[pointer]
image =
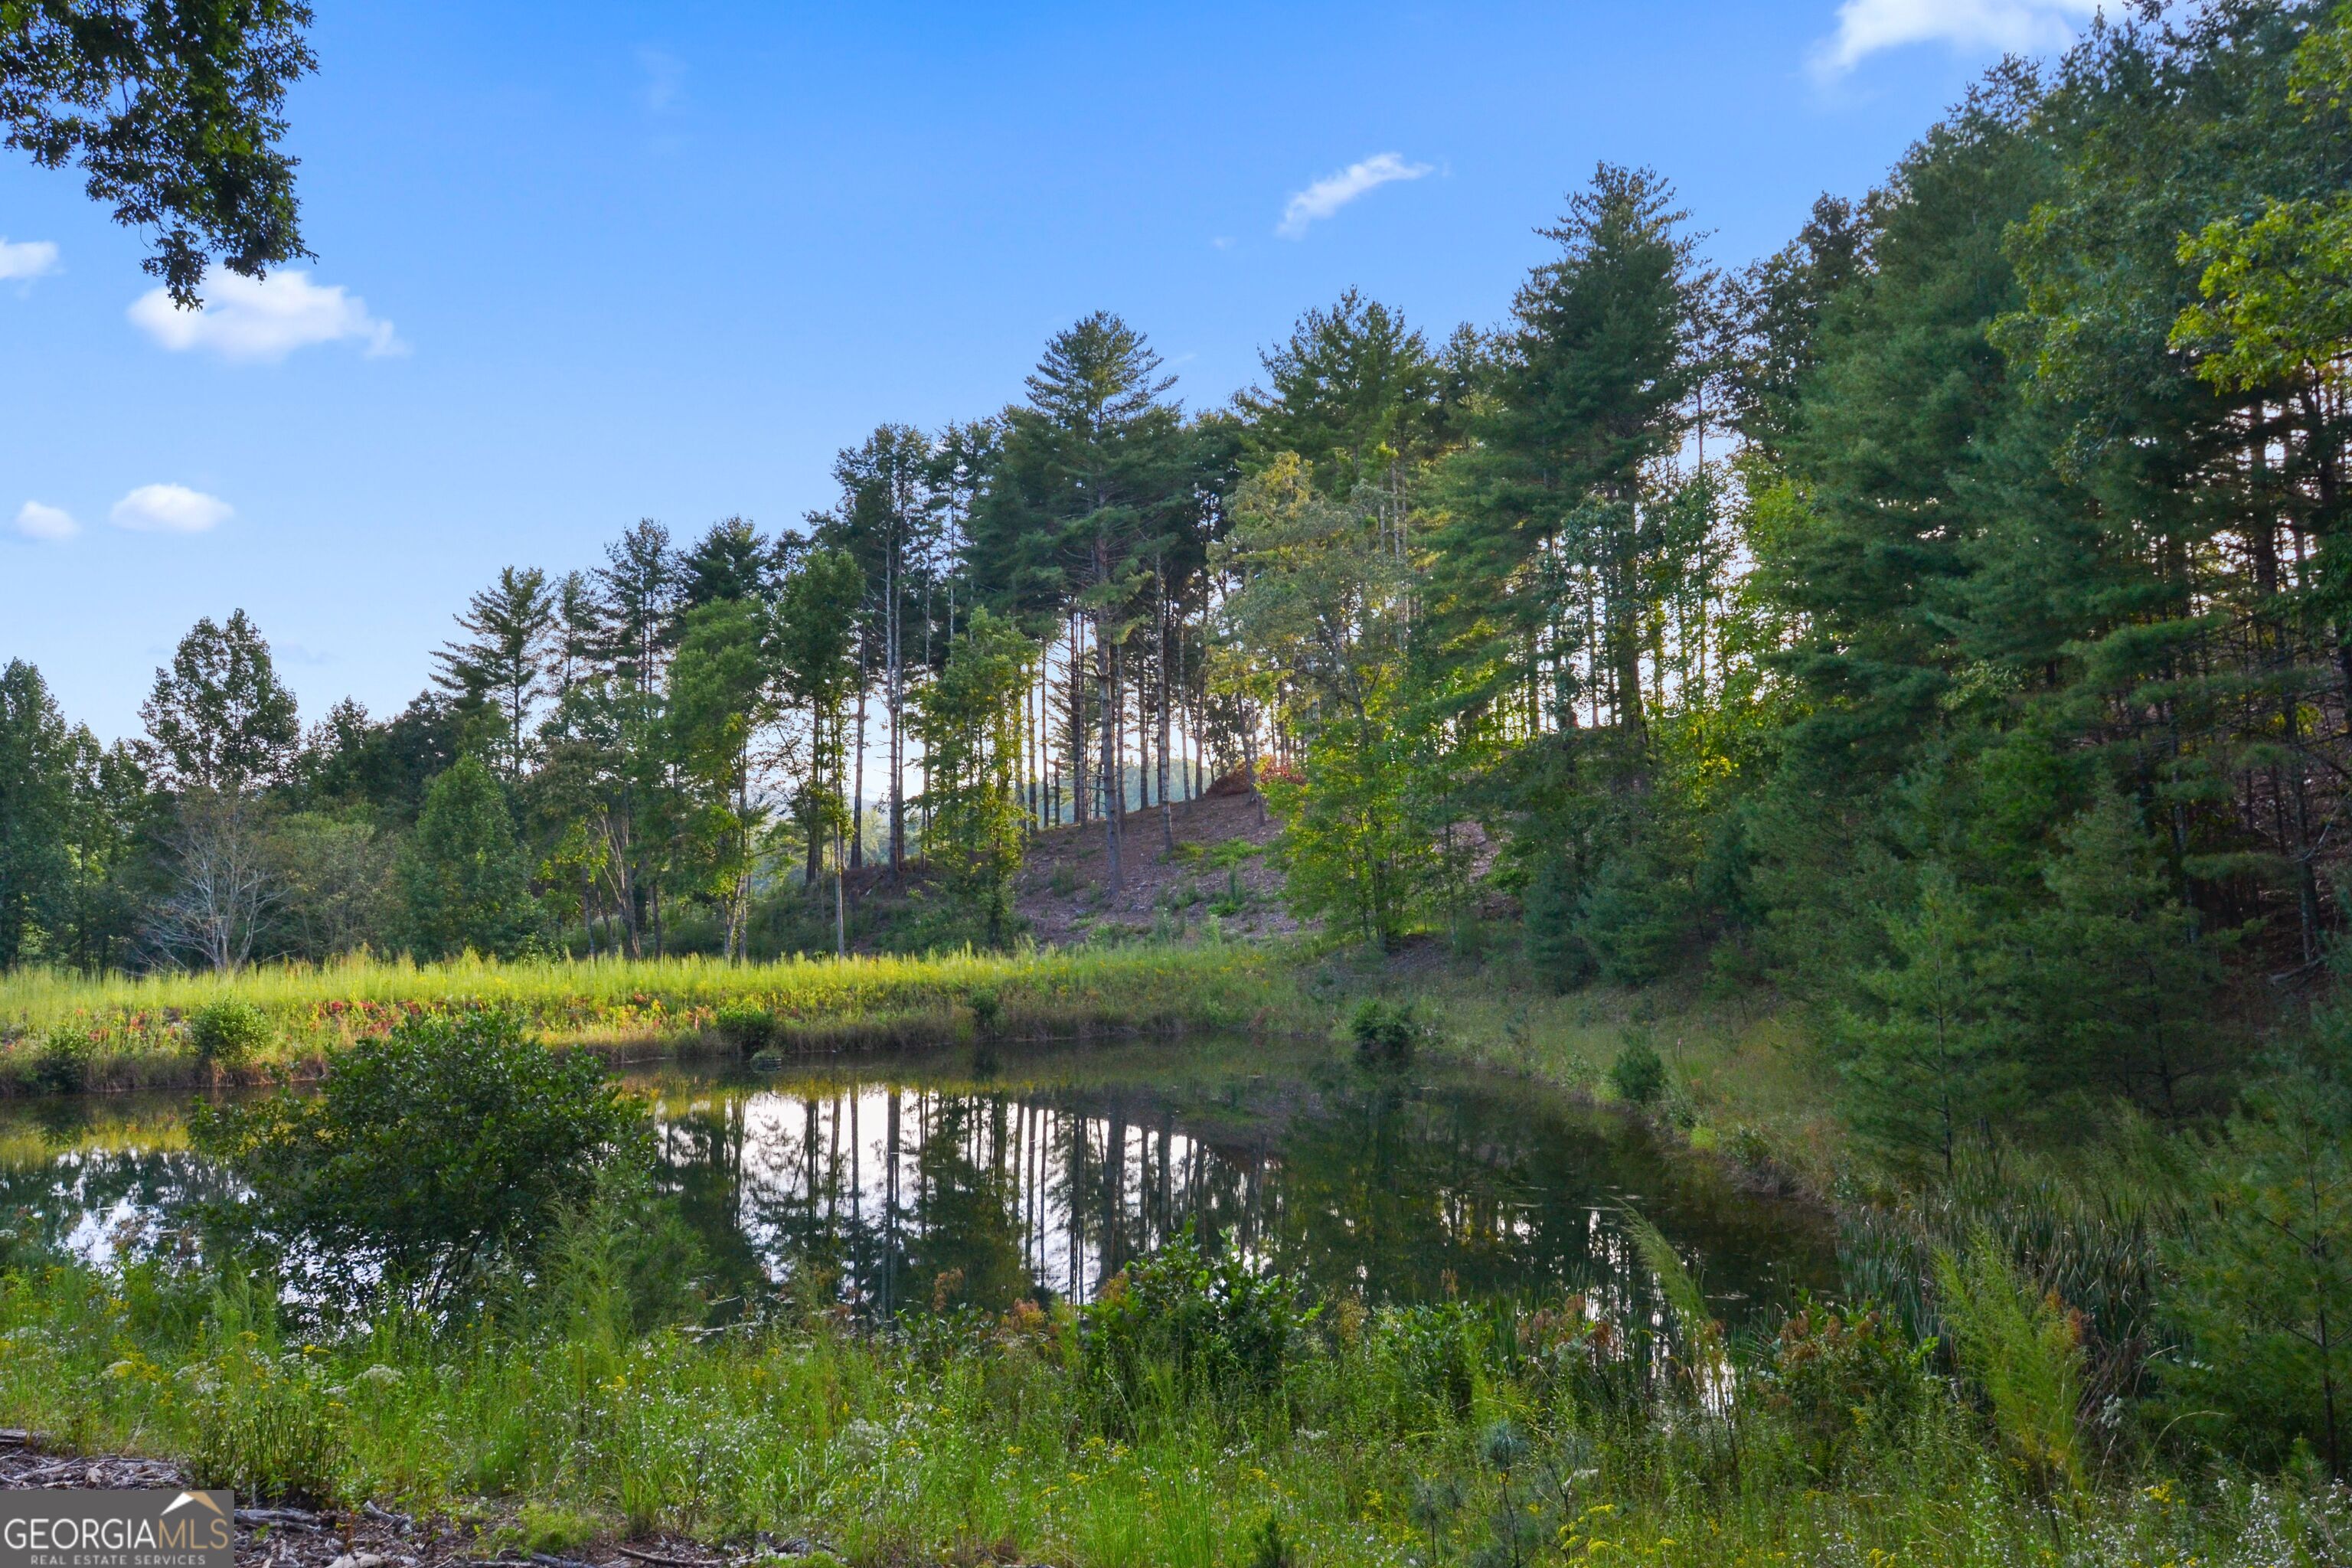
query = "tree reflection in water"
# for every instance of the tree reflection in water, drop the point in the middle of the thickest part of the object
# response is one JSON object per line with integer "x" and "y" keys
{"x": 909, "y": 1186}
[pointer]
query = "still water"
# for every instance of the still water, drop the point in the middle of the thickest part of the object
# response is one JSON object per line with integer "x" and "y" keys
{"x": 901, "y": 1182}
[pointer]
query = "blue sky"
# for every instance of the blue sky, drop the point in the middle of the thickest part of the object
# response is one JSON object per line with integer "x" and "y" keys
{"x": 583, "y": 264}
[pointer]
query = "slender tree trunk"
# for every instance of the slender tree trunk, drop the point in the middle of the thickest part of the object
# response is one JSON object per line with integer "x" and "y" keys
{"x": 1167, "y": 816}
{"x": 897, "y": 695}
{"x": 1106, "y": 676}
{"x": 857, "y": 795}
{"x": 1073, "y": 689}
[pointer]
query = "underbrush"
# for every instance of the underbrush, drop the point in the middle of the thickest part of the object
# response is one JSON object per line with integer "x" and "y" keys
{"x": 61, "y": 1032}
{"x": 1192, "y": 1418}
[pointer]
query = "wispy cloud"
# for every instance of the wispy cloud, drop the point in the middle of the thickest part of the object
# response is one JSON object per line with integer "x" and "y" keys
{"x": 23, "y": 260}
{"x": 1328, "y": 195}
{"x": 665, "y": 79}
{"x": 169, "y": 508}
{"x": 264, "y": 318}
{"x": 1865, "y": 27}
{"x": 49, "y": 523}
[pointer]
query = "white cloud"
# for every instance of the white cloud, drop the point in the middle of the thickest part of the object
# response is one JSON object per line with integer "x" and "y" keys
{"x": 23, "y": 260}
{"x": 169, "y": 508}
{"x": 1328, "y": 195}
{"x": 35, "y": 521}
{"x": 263, "y": 318}
{"x": 1866, "y": 26}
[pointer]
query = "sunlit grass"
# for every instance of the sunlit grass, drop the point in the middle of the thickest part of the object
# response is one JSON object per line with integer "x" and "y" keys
{"x": 134, "y": 1026}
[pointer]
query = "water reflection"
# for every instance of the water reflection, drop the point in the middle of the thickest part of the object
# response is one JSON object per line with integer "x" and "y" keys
{"x": 907, "y": 1185}
{"x": 901, "y": 1185}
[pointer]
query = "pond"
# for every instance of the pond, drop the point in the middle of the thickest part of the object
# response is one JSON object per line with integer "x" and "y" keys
{"x": 905, "y": 1182}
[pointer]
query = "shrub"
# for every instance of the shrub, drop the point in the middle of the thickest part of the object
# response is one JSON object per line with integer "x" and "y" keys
{"x": 426, "y": 1155}
{"x": 987, "y": 1008}
{"x": 65, "y": 1061}
{"x": 228, "y": 1032}
{"x": 1639, "y": 1074}
{"x": 1190, "y": 1324}
{"x": 1848, "y": 1380}
{"x": 747, "y": 1026}
{"x": 1385, "y": 1032}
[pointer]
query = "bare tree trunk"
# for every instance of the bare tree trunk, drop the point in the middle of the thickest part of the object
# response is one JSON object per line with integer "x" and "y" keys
{"x": 1166, "y": 816}
{"x": 1071, "y": 689}
{"x": 1107, "y": 676}
{"x": 896, "y": 698}
{"x": 858, "y": 797}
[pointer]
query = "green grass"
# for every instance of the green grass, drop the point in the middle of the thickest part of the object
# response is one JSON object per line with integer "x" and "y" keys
{"x": 133, "y": 1030}
{"x": 1743, "y": 1077}
{"x": 976, "y": 1437}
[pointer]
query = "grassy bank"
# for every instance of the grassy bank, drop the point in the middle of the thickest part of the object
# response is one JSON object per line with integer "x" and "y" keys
{"x": 1389, "y": 1437}
{"x": 61, "y": 1030}
{"x": 1743, "y": 1077}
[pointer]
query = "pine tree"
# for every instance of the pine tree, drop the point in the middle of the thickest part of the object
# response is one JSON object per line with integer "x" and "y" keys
{"x": 503, "y": 665}
{"x": 723, "y": 694}
{"x": 1093, "y": 482}
{"x": 969, "y": 723}
{"x": 1932, "y": 1052}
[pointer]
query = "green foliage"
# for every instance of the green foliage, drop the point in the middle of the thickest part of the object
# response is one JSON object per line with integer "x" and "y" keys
{"x": 219, "y": 719}
{"x": 1350, "y": 846}
{"x": 464, "y": 877}
{"x": 748, "y": 1028}
{"x": 1184, "y": 1323}
{"x": 2262, "y": 1291}
{"x": 1850, "y": 1383}
{"x": 266, "y": 1435}
{"x": 449, "y": 1145}
{"x": 1932, "y": 1053}
{"x": 175, "y": 116}
{"x": 1386, "y": 1033}
{"x": 1639, "y": 1073}
{"x": 969, "y": 720}
{"x": 63, "y": 1063}
{"x": 2023, "y": 1348}
{"x": 229, "y": 1031}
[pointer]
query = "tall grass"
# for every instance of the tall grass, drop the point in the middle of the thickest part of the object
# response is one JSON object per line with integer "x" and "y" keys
{"x": 1392, "y": 1437}
{"x": 133, "y": 1029}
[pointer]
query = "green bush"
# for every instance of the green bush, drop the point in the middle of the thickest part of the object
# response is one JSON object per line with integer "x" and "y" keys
{"x": 1385, "y": 1033}
{"x": 1849, "y": 1382}
{"x": 747, "y": 1026}
{"x": 64, "y": 1064}
{"x": 987, "y": 1009}
{"x": 228, "y": 1032}
{"x": 426, "y": 1156}
{"x": 1210, "y": 1324}
{"x": 1639, "y": 1074}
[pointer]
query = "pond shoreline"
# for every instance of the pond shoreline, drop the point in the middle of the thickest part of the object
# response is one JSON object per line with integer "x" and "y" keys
{"x": 62, "y": 1034}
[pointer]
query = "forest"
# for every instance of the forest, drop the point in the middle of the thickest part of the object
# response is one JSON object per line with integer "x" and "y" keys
{"x": 1934, "y": 631}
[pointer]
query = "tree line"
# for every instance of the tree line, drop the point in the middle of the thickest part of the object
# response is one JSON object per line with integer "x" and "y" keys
{"x": 1948, "y": 593}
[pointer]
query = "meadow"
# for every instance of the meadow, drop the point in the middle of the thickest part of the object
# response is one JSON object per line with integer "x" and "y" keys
{"x": 61, "y": 1030}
